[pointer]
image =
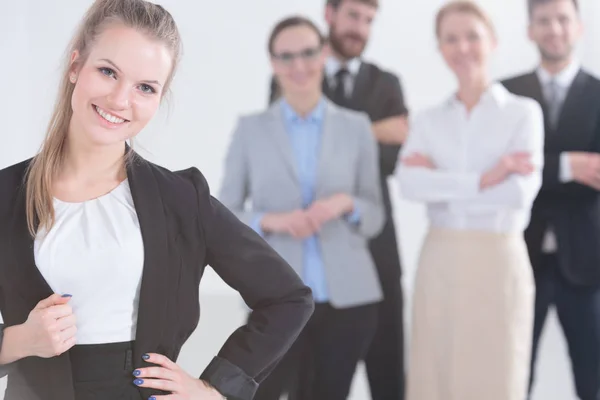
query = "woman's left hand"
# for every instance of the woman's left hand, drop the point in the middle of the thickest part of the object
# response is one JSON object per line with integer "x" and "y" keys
{"x": 418, "y": 160}
{"x": 169, "y": 377}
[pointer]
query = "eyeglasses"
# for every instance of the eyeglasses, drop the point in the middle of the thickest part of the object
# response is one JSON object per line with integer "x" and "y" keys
{"x": 305, "y": 55}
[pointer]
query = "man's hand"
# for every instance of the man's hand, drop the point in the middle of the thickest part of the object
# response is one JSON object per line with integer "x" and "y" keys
{"x": 585, "y": 168}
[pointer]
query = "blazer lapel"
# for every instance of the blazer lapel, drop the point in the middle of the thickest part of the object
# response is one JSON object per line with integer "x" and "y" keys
{"x": 151, "y": 215}
{"x": 534, "y": 90}
{"x": 28, "y": 278}
{"x": 327, "y": 148}
{"x": 31, "y": 285}
{"x": 572, "y": 106}
{"x": 277, "y": 131}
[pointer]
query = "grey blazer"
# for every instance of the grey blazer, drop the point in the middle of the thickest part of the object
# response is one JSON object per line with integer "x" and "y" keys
{"x": 260, "y": 169}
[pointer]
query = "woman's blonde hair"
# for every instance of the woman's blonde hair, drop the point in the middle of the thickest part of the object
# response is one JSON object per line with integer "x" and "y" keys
{"x": 150, "y": 19}
{"x": 463, "y": 7}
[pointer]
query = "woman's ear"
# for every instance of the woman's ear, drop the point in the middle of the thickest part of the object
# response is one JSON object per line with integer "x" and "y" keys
{"x": 73, "y": 66}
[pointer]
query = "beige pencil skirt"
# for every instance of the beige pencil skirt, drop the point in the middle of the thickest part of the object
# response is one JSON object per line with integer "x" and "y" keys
{"x": 472, "y": 318}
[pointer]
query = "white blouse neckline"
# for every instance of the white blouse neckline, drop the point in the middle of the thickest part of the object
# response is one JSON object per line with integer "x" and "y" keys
{"x": 111, "y": 192}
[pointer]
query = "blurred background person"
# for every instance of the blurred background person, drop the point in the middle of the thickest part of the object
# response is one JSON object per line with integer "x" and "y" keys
{"x": 353, "y": 83}
{"x": 309, "y": 169}
{"x": 475, "y": 160}
{"x": 564, "y": 234}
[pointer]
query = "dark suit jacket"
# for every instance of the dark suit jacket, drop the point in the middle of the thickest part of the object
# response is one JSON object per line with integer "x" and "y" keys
{"x": 184, "y": 229}
{"x": 377, "y": 93}
{"x": 571, "y": 208}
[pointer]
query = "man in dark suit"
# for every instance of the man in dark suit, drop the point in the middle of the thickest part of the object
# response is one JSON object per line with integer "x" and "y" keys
{"x": 564, "y": 233}
{"x": 358, "y": 85}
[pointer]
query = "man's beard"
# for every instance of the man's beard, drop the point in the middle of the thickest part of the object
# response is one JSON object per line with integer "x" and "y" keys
{"x": 336, "y": 42}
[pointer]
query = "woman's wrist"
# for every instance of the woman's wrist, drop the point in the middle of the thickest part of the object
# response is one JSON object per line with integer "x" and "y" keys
{"x": 13, "y": 347}
{"x": 213, "y": 389}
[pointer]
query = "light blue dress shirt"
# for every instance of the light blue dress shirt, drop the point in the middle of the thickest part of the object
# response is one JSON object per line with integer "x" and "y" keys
{"x": 305, "y": 134}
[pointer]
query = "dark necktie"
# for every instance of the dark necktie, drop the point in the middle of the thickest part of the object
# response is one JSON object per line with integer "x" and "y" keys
{"x": 339, "y": 95}
{"x": 554, "y": 103}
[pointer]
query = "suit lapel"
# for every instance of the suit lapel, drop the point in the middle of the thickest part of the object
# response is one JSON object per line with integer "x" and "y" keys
{"x": 534, "y": 90}
{"x": 33, "y": 288}
{"x": 278, "y": 133}
{"x": 151, "y": 215}
{"x": 328, "y": 146}
{"x": 571, "y": 106}
{"x": 28, "y": 278}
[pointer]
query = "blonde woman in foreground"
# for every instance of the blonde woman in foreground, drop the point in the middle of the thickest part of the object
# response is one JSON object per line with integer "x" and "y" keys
{"x": 103, "y": 251}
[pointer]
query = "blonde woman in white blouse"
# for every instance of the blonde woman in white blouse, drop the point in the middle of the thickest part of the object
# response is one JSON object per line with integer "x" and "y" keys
{"x": 475, "y": 160}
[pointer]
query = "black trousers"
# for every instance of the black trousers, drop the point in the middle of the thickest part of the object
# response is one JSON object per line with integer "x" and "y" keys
{"x": 103, "y": 371}
{"x": 385, "y": 357}
{"x": 322, "y": 362}
{"x": 578, "y": 309}
{"x": 100, "y": 372}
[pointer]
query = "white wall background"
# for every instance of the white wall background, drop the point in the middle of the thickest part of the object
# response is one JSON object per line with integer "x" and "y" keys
{"x": 224, "y": 73}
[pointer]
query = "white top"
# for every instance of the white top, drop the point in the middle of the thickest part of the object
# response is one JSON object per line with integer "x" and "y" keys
{"x": 95, "y": 253}
{"x": 463, "y": 147}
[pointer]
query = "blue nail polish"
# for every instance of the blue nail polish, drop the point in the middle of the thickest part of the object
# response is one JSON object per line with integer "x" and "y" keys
{"x": 137, "y": 372}
{"x": 152, "y": 398}
{"x": 138, "y": 382}
{"x": 67, "y": 295}
{"x": 146, "y": 357}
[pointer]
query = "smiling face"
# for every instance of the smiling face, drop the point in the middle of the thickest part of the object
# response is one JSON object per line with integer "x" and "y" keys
{"x": 119, "y": 86}
{"x": 298, "y": 60}
{"x": 555, "y": 27}
{"x": 350, "y": 27}
{"x": 466, "y": 43}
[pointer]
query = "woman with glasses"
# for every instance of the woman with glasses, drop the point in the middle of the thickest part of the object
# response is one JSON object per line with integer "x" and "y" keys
{"x": 475, "y": 160}
{"x": 310, "y": 171}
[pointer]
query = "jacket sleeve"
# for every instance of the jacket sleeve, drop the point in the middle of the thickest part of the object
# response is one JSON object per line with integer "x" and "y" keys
{"x": 6, "y": 368}
{"x": 234, "y": 187}
{"x": 281, "y": 304}
{"x": 369, "y": 215}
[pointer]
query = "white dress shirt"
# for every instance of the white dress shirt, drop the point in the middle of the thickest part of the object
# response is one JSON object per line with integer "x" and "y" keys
{"x": 95, "y": 253}
{"x": 563, "y": 80}
{"x": 463, "y": 146}
{"x": 333, "y": 65}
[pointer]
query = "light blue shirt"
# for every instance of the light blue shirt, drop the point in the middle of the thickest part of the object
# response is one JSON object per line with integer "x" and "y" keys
{"x": 305, "y": 135}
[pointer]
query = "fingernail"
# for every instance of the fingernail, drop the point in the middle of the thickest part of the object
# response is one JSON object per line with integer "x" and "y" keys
{"x": 67, "y": 295}
{"x": 138, "y": 382}
{"x": 137, "y": 372}
{"x": 146, "y": 357}
{"x": 152, "y": 398}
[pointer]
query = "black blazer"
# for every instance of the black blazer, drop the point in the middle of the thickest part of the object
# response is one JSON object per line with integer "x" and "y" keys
{"x": 184, "y": 229}
{"x": 571, "y": 208}
{"x": 379, "y": 94}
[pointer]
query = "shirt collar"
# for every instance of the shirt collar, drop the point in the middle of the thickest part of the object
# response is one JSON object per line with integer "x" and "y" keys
{"x": 315, "y": 116}
{"x": 495, "y": 93}
{"x": 333, "y": 65}
{"x": 564, "y": 78}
